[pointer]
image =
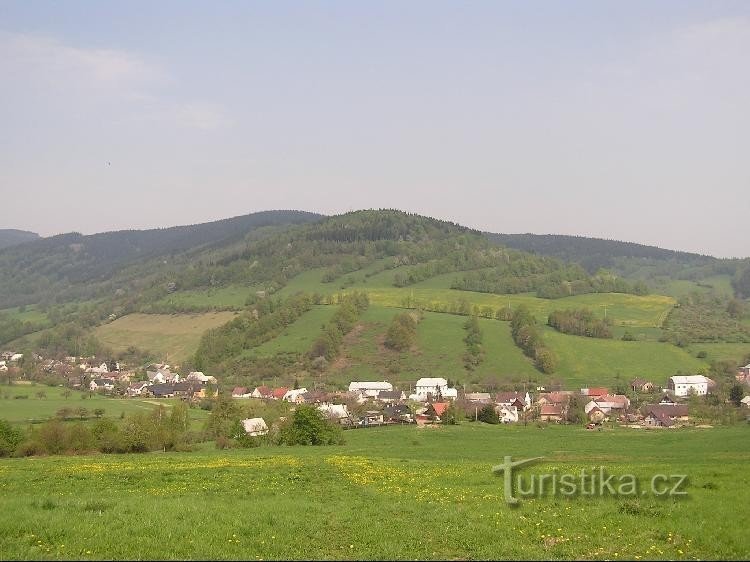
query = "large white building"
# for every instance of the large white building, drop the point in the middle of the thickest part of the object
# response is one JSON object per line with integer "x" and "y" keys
{"x": 434, "y": 387}
{"x": 371, "y": 389}
{"x": 683, "y": 385}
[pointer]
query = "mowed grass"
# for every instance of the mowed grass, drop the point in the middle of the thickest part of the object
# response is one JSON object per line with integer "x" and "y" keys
{"x": 174, "y": 337}
{"x": 623, "y": 309}
{"x": 588, "y": 361}
{"x": 388, "y": 493}
{"x": 34, "y": 409}
{"x": 299, "y": 337}
{"x": 736, "y": 352}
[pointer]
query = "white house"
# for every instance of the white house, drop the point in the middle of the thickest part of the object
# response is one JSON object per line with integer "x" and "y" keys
{"x": 427, "y": 387}
{"x": 16, "y": 357}
{"x": 508, "y": 414}
{"x": 255, "y": 427}
{"x": 334, "y": 411}
{"x": 201, "y": 378}
{"x": 137, "y": 388}
{"x": 106, "y": 384}
{"x": 294, "y": 394}
{"x": 370, "y": 389}
{"x": 746, "y": 401}
{"x": 682, "y": 385}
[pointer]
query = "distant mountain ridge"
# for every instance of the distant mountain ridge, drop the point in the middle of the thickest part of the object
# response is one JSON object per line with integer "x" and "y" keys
{"x": 12, "y": 236}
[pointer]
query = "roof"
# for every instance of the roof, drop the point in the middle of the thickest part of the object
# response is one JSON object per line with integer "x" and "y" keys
{"x": 263, "y": 390}
{"x": 671, "y": 410}
{"x": 509, "y": 397}
{"x": 663, "y": 419}
{"x": 639, "y": 382}
{"x": 239, "y": 391}
{"x": 370, "y": 385}
{"x": 432, "y": 382}
{"x": 556, "y": 397}
{"x": 690, "y": 379}
{"x": 551, "y": 410}
{"x": 252, "y": 425}
{"x": 440, "y": 407}
{"x": 161, "y": 389}
{"x": 336, "y": 411}
{"x": 390, "y": 394}
{"x": 597, "y": 391}
{"x": 477, "y": 396}
{"x": 279, "y": 392}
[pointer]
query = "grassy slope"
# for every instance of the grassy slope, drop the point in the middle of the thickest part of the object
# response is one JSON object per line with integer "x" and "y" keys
{"x": 389, "y": 493}
{"x": 585, "y": 361}
{"x": 232, "y": 296}
{"x": 298, "y": 337}
{"x": 30, "y": 314}
{"x": 169, "y": 336}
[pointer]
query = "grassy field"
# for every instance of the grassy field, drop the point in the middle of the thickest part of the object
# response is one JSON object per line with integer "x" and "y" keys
{"x": 173, "y": 337}
{"x": 388, "y": 493}
{"x": 622, "y": 309}
{"x": 721, "y": 351}
{"x": 589, "y": 361}
{"x": 298, "y": 337}
{"x": 30, "y": 314}
{"x": 232, "y": 296}
{"x": 34, "y": 409}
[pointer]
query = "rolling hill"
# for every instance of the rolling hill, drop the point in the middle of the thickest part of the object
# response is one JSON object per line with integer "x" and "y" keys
{"x": 252, "y": 298}
{"x": 11, "y": 237}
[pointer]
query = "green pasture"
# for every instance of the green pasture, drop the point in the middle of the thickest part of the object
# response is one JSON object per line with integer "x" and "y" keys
{"x": 389, "y": 493}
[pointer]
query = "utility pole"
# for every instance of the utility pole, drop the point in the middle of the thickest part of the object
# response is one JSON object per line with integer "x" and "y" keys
{"x": 476, "y": 413}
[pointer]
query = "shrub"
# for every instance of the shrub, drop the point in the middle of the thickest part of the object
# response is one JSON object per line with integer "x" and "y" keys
{"x": 10, "y": 438}
{"x": 308, "y": 426}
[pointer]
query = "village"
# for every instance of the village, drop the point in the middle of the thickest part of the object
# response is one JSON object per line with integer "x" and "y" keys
{"x": 429, "y": 401}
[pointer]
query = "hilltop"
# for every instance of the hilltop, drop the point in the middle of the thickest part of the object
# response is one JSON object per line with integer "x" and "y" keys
{"x": 11, "y": 237}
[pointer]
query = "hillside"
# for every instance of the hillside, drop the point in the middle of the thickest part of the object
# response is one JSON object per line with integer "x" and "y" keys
{"x": 66, "y": 265}
{"x": 11, "y": 237}
{"x": 284, "y": 295}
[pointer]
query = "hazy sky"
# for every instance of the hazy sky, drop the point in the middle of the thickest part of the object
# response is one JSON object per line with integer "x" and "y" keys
{"x": 626, "y": 120}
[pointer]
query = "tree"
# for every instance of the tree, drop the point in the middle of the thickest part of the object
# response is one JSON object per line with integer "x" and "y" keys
{"x": 546, "y": 360}
{"x": 66, "y": 393}
{"x": 736, "y": 308}
{"x": 10, "y": 438}
{"x": 98, "y": 412}
{"x": 308, "y": 426}
{"x": 736, "y": 394}
{"x": 82, "y": 412}
{"x": 488, "y": 415}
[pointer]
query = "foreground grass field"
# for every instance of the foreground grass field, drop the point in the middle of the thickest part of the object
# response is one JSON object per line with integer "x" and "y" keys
{"x": 395, "y": 492}
{"x": 174, "y": 337}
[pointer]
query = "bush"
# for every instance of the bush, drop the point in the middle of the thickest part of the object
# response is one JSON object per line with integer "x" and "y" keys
{"x": 308, "y": 426}
{"x": 10, "y": 438}
{"x": 488, "y": 415}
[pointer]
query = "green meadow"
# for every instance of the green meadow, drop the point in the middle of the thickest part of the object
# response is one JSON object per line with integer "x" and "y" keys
{"x": 42, "y": 402}
{"x": 388, "y": 493}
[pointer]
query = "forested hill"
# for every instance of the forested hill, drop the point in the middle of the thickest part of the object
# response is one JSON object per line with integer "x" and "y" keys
{"x": 11, "y": 237}
{"x": 32, "y": 271}
{"x": 594, "y": 253}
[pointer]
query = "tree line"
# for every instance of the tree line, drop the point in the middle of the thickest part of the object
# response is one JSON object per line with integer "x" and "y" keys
{"x": 579, "y": 322}
{"x": 526, "y": 336}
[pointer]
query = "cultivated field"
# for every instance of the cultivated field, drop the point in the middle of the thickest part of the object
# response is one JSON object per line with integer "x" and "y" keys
{"x": 388, "y": 493}
{"x": 173, "y": 337}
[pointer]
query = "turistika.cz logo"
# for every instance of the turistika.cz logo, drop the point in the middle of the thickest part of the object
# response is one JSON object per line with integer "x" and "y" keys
{"x": 588, "y": 482}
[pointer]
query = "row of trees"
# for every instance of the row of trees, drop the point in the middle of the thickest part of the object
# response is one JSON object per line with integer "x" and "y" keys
{"x": 158, "y": 430}
{"x": 474, "y": 354}
{"x": 527, "y": 337}
{"x": 328, "y": 343}
{"x": 402, "y": 332}
{"x": 579, "y": 322}
{"x": 248, "y": 330}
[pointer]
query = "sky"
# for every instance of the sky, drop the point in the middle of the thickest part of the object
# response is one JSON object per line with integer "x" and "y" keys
{"x": 627, "y": 120}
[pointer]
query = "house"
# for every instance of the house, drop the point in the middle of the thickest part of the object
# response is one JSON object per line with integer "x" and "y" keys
{"x": 745, "y": 401}
{"x": 478, "y": 397}
{"x": 370, "y": 389}
{"x": 162, "y": 376}
{"x": 161, "y": 390}
{"x": 138, "y": 388}
{"x": 240, "y": 392}
{"x": 371, "y": 417}
{"x": 641, "y": 385}
{"x": 279, "y": 393}
{"x": 313, "y": 397}
{"x": 666, "y": 399}
{"x": 657, "y": 419}
{"x": 336, "y": 412}
{"x": 609, "y": 404}
{"x": 744, "y": 373}
{"x": 507, "y": 414}
{"x": 262, "y": 392}
{"x": 557, "y": 397}
{"x": 683, "y": 385}
{"x": 675, "y": 412}
{"x": 397, "y": 413}
{"x": 255, "y": 427}
{"x": 6, "y": 355}
{"x": 433, "y": 387}
{"x": 16, "y": 357}
{"x": 391, "y": 396}
{"x": 593, "y": 392}
{"x": 294, "y": 395}
{"x": 201, "y": 378}
{"x": 551, "y": 413}
{"x": 595, "y": 414}
{"x": 95, "y": 369}
{"x": 513, "y": 400}
{"x": 188, "y": 389}
{"x": 101, "y": 384}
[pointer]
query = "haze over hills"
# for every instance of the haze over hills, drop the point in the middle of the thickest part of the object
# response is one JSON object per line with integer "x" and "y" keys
{"x": 12, "y": 236}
